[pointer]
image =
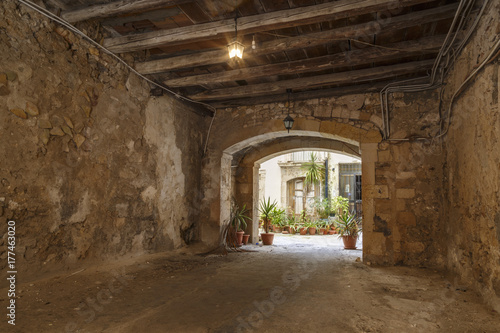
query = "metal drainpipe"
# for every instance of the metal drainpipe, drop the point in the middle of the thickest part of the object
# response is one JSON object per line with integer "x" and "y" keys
{"x": 326, "y": 178}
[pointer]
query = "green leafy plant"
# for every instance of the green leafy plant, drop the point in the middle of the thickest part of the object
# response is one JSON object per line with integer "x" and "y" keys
{"x": 238, "y": 217}
{"x": 339, "y": 205}
{"x": 266, "y": 208}
{"x": 315, "y": 172}
{"x": 322, "y": 207}
{"x": 292, "y": 223}
{"x": 347, "y": 225}
{"x": 278, "y": 217}
{"x": 323, "y": 223}
{"x": 303, "y": 216}
{"x": 310, "y": 223}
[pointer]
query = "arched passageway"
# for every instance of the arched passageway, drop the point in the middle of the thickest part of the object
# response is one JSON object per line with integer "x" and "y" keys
{"x": 238, "y": 156}
{"x": 393, "y": 175}
{"x": 245, "y": 163}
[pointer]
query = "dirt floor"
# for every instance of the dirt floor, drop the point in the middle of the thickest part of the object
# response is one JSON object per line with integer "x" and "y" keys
{"x": 301, "y": 284}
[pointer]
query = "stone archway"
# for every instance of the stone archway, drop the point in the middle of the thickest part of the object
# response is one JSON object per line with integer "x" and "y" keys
{"x": 229, "y": 167}
{"x": 246, "y": 164}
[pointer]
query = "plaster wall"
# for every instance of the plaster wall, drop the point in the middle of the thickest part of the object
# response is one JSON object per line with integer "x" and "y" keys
{"x": 92, "y": 167}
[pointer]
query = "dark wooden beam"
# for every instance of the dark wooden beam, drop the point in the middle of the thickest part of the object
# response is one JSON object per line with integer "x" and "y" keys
{"x": 338, "y": 60}
{"x": 307, "y": 40}
{"x": 348, "y": 78}
{"x": 303, "y": 95}
{"x": 255, "y": 23}
{"x": 116, "y": 8}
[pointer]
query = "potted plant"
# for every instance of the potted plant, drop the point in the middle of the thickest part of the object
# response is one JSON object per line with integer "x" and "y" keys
{"x": 265, "y": 208}
{"x": 304, "y": 220}
{"x": 278, "y": 219}
{"x": 348, "y": 229}
{"x": 311, "y": 227}
{"x": 322, "y": 207}
{"x": 239, "y": 222}
{"x": 330, "y": 225}
{"x": 323, "y": 226}
{"x": 339, "y": 205}
{"x": 292, "y": 224}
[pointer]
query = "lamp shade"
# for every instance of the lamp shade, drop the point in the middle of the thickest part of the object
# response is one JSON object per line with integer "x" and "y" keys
{"x": 235, "y": 49}
{"x": 288, "y": 121}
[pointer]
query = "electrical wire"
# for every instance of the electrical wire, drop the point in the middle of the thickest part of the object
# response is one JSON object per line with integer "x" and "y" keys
{"x": 459, "y": 20}
{"x": 334, "y": 40}
{"x": 208, "y": 134}
{"x": 495, "y": 51}
{"x": 72, "y": 28}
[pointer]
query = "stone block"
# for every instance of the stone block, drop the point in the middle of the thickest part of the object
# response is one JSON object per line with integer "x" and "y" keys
{"x": 32, "y": 109}
{"x": 400, "y": 205}
{"x": 376, "y": 191}
{"x": 383, "y": 206}
{"x": 369, "y": 152}
{"x": 368, "y": 169}
{"x": 374, "y": 244}
{"x": 406, "y": 218}
{"x": 322, "y": 111}
{"x": 119, "y": 222}
{"x": 354, "y": 114}
{"x": 406, "y": 175}
{"x": 405, "y": 183}
{"x": 384, "y": 156}
{"x": 415, "y": 247}
{"x": 405, "y": 193}
{"x": 376, "y": 120}
{"x": 336, "y": 111}
{"x": 19, "y": 112}
{"x": 372, "y": 136}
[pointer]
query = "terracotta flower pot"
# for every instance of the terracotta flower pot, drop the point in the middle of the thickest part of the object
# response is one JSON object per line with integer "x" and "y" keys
{"x": 239, "y": 237}
{"x": 303, "y": 231}
{"x": 323, "y": 231}
{"x": 332, "y": 232}
{"x": 349, "y": 242}
{"x": 245, "y": 239}
{"x": 267, "y": 239}
{"x": 312, "y": 231}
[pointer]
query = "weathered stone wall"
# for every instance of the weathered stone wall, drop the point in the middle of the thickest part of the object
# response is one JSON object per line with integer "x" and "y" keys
{"x": 92, "y": 167}
{"x": 472, "y": 169}
{"x": 405, "y": 205}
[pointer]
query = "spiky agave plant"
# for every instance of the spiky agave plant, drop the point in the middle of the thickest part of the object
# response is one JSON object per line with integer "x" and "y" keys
{"x": 266, "y": 208}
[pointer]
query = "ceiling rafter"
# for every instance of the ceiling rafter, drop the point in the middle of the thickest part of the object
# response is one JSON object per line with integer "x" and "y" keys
{"x": 116, "y": 8}
{"x": 307, "y": 40}
{"x": 251, "y": 24}
{"x": 302, "y": 95}
{"x": 348, "y": 77}
{"x": 364, "y": 56}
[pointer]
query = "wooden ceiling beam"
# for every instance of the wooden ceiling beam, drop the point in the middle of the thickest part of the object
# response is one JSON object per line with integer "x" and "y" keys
{"x": 348, "y": 78}
{"x": 352, "y": 58}
{"x": 251, "y": 24}
{"x": 303, "y": 95}
{"x": 116, "y": 8}
{"x": 307, "y": 40}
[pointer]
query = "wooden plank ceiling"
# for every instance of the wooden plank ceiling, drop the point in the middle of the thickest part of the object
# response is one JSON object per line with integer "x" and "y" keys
{"x": 314, "y": 47}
